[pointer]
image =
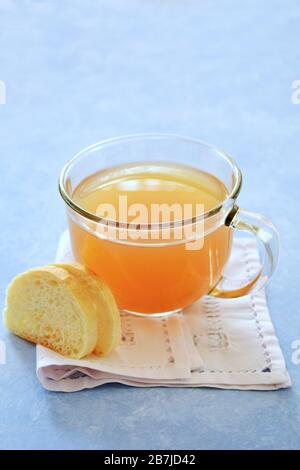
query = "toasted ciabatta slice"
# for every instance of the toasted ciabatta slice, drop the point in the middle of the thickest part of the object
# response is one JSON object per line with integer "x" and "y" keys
{"x": 108, "y": 315}
{"x": 51, "y": 307}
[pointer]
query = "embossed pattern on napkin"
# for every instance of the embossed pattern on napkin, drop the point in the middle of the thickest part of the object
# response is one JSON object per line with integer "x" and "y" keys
{"x": 150, "y": 349}
{"x": 220, "y": 343}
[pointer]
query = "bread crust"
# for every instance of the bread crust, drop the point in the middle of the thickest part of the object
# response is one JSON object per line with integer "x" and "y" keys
{"x": 108, "y": 315}
{"x": 58, "y": 280}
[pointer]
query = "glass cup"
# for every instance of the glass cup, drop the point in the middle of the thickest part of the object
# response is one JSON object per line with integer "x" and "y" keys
{"x": 154, "y": 274}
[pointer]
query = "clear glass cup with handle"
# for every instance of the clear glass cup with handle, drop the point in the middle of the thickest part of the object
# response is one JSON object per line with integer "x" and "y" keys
{"x": 153, "y": 274}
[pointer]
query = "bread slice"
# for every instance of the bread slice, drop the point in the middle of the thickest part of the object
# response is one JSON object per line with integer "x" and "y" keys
{"x": 108, "y": 315}
{"x": 51, "y": 307}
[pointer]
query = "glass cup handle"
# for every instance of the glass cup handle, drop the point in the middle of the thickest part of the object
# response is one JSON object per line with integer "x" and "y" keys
{"x": 265, "y": 232}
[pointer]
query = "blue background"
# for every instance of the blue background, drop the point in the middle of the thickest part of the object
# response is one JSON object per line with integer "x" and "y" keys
{"x": 77, "y": 72}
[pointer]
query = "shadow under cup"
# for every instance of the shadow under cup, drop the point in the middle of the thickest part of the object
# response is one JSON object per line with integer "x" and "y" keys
{"x": 154, "y": 275}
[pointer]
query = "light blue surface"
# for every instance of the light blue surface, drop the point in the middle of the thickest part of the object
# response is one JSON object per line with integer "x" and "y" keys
{"x": 77, "y": 72}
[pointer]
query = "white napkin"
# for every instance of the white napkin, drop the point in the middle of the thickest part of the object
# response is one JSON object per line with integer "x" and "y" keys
{"x": 214, "y": 343}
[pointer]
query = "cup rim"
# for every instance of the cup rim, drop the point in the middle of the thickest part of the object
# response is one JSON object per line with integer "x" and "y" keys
{"x": 228, "y": 201}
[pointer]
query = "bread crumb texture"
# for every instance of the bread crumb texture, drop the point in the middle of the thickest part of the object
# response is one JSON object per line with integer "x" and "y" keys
{"x": 64, "y": 308}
